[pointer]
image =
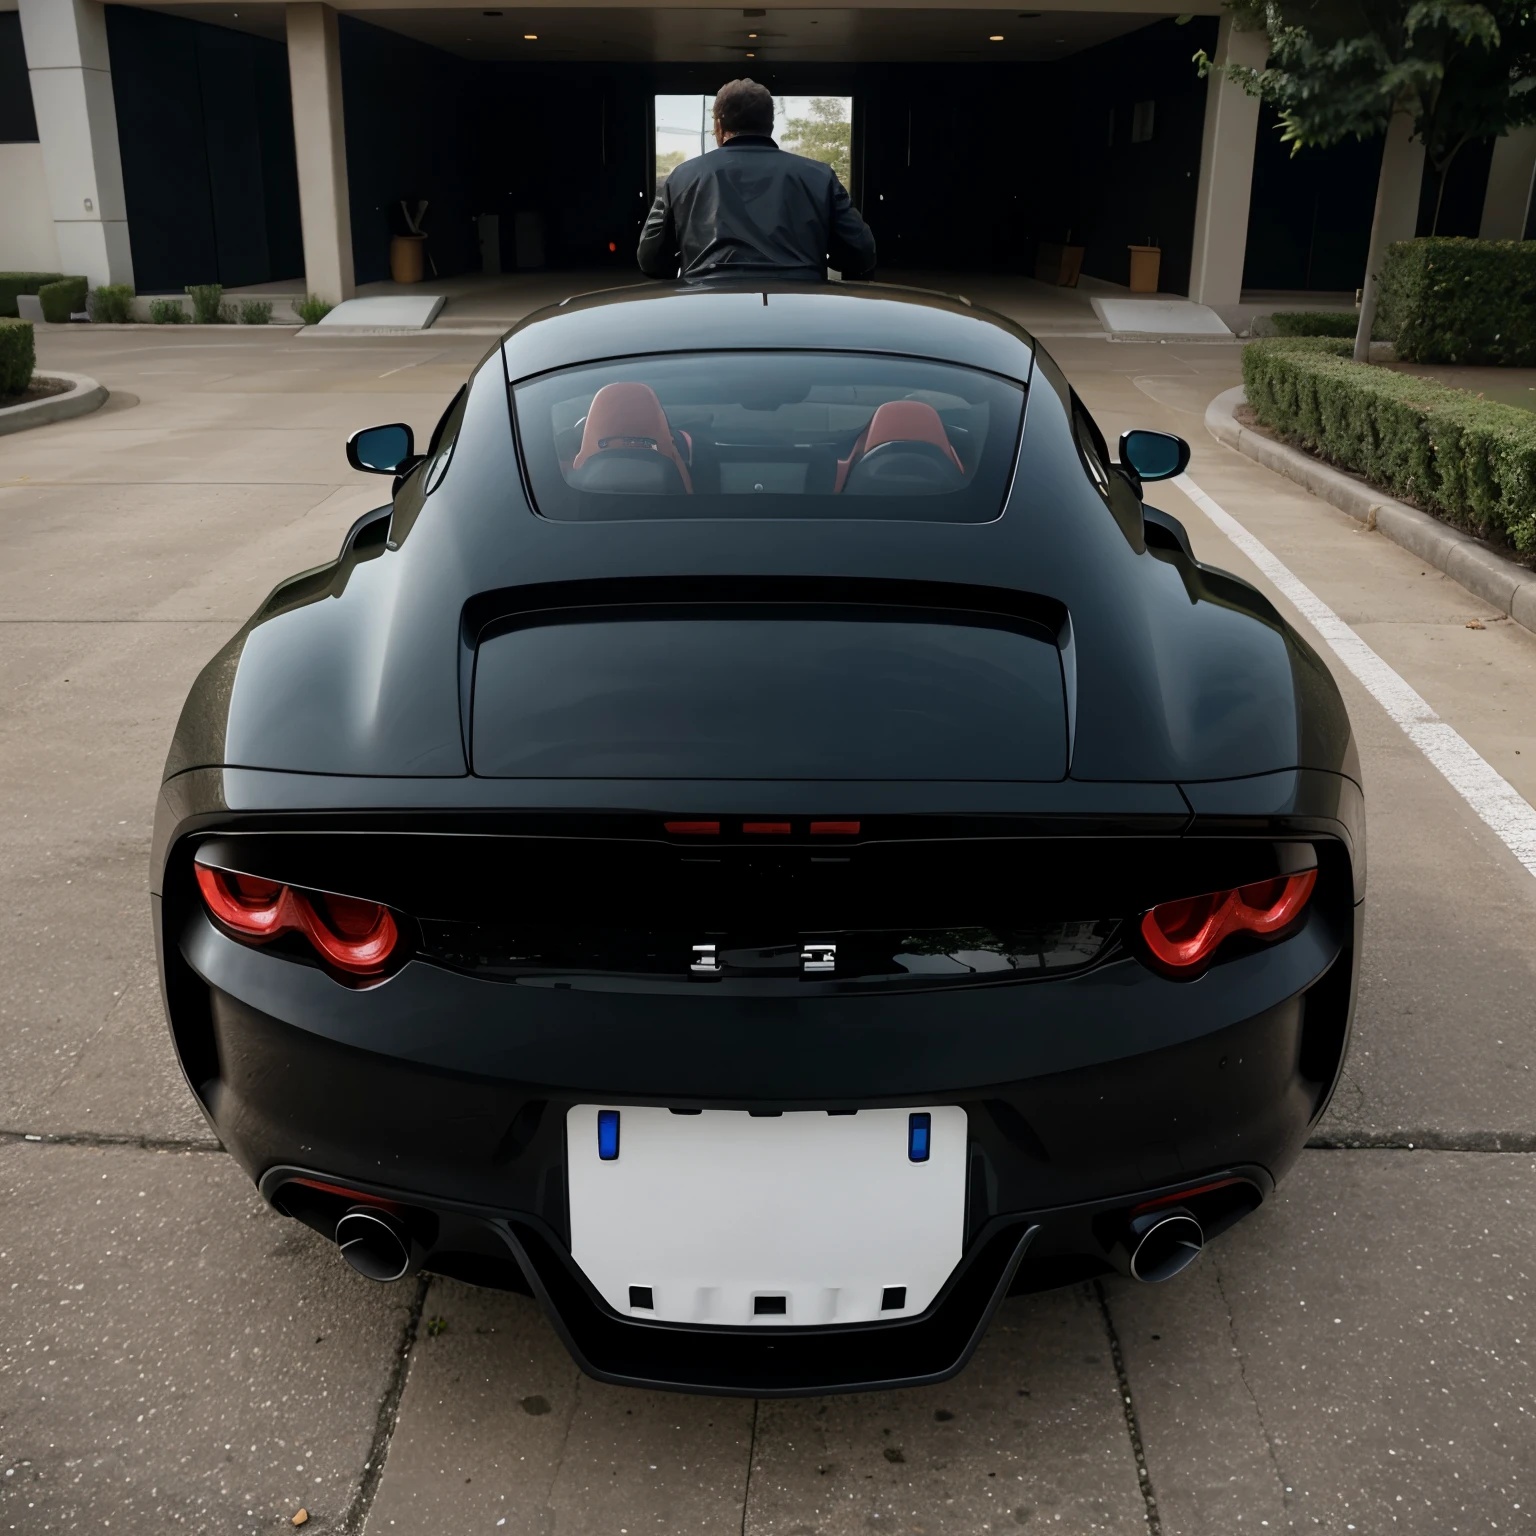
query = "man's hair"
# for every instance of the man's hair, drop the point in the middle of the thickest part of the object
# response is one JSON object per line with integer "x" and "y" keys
{"x": 744, "y": 106}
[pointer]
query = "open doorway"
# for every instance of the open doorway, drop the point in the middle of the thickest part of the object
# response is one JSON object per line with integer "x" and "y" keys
{"x": 820, "y": 127}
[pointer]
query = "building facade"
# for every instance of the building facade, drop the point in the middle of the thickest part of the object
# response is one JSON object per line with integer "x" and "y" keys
{"x": 257, "y": 142}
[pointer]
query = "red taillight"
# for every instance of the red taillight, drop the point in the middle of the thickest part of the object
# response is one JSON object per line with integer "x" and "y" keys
{"x": 1185, "y": 934}
{"x": 354, "y": 936}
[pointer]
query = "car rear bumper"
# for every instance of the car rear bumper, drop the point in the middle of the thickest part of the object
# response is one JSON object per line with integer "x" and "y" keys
{"x": 521, "y": 1252}
{"x": 1057, "y": 1157}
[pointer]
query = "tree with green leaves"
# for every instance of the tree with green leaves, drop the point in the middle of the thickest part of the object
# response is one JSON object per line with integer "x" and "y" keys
{"x": 825, "y": 135}
{"x": 1454, "y": 68}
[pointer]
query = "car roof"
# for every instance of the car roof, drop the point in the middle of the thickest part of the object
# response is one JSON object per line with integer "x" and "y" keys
{"x": 840, "y": 317}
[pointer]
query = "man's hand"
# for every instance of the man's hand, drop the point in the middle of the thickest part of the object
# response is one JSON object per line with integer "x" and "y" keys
{"x": 658, "y": 253}
{"x": 852, "y": 240}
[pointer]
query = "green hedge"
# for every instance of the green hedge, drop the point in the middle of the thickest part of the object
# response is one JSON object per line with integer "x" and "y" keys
{"x": 1469, "y": 460}
{"x": 63, "y": 298}
{"x": 1461, "y": 301}
{"x": 12, "y": 283}
{"x": 1315, "y": 322}
{"x": 17, "y": 356}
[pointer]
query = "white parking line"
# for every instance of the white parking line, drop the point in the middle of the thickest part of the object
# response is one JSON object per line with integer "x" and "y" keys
{"x": 1486, "y": 790}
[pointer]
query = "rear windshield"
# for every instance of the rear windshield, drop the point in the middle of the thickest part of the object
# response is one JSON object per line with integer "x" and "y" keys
{"x": 769, "y": 434}
{"x": 768, "y": 697}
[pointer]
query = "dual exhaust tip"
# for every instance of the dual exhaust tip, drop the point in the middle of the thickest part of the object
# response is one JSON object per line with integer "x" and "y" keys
{"x": 376, "y": 1244}
{"x": 1159, "y": 1244}
{"x": 1152, "y": 1247}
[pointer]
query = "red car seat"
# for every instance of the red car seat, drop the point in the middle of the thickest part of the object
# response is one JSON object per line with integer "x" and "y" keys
{"x": 899, "y": 421}
{"x": 628, "y": 417}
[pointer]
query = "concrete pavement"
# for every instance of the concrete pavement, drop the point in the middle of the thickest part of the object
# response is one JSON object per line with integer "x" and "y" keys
{"x": 140, "y": 1275}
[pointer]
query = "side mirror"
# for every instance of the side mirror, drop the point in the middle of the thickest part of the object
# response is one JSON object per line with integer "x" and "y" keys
{"x": 382, "y": 450}
{"x": 1154, "y": 455}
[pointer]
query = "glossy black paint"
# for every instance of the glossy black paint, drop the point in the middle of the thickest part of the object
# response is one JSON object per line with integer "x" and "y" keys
{"x": 1203, "y": 744}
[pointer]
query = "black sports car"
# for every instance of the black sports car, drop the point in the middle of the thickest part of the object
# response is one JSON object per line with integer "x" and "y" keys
{"x": 767, "y": 844}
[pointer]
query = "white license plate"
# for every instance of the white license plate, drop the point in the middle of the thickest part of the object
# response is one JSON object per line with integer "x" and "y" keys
{"x": 795, "y": 1219}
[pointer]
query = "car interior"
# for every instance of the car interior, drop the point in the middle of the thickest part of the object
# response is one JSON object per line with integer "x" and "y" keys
{"x": 627, "y": 442}
{"x": 821, "y": 434}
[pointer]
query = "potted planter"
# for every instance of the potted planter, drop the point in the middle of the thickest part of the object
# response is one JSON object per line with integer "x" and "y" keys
{"x": 408, "y": 258}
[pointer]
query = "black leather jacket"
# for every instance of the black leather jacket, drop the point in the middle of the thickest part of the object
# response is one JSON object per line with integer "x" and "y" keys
{"x": 750, "y": 209}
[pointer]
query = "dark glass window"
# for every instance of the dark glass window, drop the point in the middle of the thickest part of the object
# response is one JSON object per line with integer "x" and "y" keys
{"x": 1091, "y": 444}
{"x": 18, "y": 125}
{"x": 444, "y": 436}
{"x": 769, "y": 434}
{"x": 769, "y": 696}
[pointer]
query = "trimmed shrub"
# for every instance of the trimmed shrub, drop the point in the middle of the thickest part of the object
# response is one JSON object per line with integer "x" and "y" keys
{"x": 312, "y": 309}
{"x": 1461, "y": 301}
{"x": 167, "y": 312}
{"x": 255, "y": 312}
{"x": 1469, "y": 460}
{"x": 63, "y": 298}
{"x": 111, "y": 304}
{"x": 12, "y": 283}
{"x": 17, "y": 355}
{"x": 207, "y": 299}
{"x": 1315, "y": 322}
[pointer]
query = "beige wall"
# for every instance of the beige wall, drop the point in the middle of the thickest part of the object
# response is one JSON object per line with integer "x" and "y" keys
{"x": 71, "y": 78}
{"x": 27, "y": 242}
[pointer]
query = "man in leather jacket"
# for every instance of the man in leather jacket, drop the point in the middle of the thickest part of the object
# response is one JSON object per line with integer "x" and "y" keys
{"x": 752, "y": 210}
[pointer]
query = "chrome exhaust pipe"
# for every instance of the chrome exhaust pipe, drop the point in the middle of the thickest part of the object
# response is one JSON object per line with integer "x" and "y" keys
{"x": 1157, "y": 1245}
{"x": 375, "y": 1244}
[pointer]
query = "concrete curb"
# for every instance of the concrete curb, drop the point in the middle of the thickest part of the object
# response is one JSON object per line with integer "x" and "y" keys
{"x": 331, "y": 332}
{"x": 82, "y": 397}
{"x": 185, "y": 325}
{"x": 1501, "y": 583}
{"x": 1173, "y": 338}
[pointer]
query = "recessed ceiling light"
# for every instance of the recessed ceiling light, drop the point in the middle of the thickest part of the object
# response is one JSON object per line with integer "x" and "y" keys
{"x": 996, "y": 37}
{"x": 530, "y": 37}
{"x": 751, "y": 34}
{"x": 751, "y": 55}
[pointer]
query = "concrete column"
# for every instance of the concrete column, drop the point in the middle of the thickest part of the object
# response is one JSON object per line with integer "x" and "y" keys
{"x": 1402, "y": 171}
{"x": 319, "y": 137}
{"x": 1226, "y": 172}
{"x": 1507, "y": 203}
{"x": 71, "y": 76}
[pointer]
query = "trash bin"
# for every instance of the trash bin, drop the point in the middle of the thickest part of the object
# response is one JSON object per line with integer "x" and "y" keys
{"x": 1146, "y": 264}
{"x": 408, "y": 258}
